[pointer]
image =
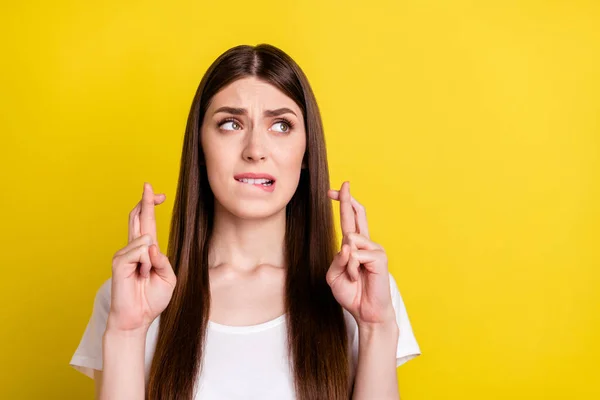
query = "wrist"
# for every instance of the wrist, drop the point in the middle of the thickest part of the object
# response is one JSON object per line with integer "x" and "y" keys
{"x": 119, "y": 344}
{"x": 118, "y": 329}
{"x": 384, "y": 323}
{"x": 112, "y": 332}
{"x": 388, "y": 327}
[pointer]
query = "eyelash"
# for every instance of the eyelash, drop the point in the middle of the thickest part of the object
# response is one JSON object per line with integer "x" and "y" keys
{"x": 286, "y": 121}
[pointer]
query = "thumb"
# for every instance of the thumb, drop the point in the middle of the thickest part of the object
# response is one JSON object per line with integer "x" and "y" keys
{"x": 339, "y": 264}
{"x": 160, "y": 264}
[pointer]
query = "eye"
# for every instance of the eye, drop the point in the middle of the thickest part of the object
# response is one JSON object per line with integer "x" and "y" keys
{"x": 283, "y": 126}
{"x": 229, "y": 125}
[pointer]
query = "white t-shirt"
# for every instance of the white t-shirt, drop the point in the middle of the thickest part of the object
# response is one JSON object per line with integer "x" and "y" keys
{"x": 240, "y": 362}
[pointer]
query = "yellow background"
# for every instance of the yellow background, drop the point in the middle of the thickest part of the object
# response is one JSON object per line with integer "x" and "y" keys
{"x": 470, "y": 130}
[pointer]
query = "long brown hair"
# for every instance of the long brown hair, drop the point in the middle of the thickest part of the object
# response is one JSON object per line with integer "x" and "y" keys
{"x": 317, "y": 338}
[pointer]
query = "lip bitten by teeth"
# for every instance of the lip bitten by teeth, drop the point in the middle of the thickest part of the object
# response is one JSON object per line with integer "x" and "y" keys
{"x": 261, "y": 181}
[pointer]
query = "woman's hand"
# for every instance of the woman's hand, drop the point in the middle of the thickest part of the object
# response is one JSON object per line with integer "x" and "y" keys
{"x": 142, "y": 277}
{"x": 358, "y": 275}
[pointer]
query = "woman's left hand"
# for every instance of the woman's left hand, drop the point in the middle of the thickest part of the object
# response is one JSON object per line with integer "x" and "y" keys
{"x": 358, "y": 275}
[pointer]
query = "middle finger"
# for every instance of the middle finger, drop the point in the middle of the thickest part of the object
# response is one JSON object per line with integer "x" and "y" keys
{"x": 147, "y": 218}
{"x": 346, "y": 212}
{"x": 144, "y": 239}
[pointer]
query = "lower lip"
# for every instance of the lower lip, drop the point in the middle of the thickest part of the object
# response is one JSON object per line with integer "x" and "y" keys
{"x": 260, "y": 186}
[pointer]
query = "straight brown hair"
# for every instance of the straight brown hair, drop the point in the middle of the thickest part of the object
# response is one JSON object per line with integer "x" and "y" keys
{"x": 316, "y": 338}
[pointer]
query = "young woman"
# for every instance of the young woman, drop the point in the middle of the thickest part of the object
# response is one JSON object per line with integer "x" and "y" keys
{"x": 251, "y": 300}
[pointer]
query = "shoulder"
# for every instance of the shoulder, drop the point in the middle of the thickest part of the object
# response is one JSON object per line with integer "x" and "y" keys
{"x": 105, "y": 288}
{"x": 102, "y": 298}
{"x": 407, "y": 347}
{"x": 397, "y": 301}
{"x": 393, "y": 285}
{"x": 88, "y": 355}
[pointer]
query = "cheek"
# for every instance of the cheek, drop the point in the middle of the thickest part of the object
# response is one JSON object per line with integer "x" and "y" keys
{"x": 217, "y": 160}
{"x": 293, "y": 152}
{"x": 290, "y": 163}
{"x": 214, "y": 148}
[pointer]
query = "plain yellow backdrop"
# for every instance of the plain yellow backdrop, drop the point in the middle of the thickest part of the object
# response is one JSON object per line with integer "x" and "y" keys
{"x": 470, "y": 131}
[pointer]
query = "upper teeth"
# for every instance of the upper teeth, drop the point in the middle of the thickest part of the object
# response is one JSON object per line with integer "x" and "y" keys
{"x": 253, "y": 181}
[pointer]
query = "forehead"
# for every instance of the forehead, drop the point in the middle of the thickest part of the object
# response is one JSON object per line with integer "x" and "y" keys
{"x": 252, "y": 93}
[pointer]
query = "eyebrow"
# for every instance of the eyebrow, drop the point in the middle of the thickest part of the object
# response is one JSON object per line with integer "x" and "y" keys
{"x": 243, "y": 111}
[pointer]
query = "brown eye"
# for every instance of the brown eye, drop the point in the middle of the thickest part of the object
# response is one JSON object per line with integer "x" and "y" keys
{"x": 284, "y": 127}
{"x": 230, "y": 126}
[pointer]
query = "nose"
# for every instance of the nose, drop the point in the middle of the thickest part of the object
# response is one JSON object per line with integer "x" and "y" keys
{"x": 254, "y": 150}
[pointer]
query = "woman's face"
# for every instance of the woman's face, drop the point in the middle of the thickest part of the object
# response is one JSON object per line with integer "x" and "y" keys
{"x": 253, "y": 138}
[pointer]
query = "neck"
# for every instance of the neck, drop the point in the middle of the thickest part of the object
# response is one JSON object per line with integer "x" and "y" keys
{"x": 245, "y": 244}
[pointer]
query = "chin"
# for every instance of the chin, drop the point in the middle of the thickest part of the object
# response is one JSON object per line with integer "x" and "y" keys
{"x": 253, "y": 209}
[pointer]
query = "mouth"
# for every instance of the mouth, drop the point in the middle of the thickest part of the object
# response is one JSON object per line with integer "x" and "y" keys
{"x": 255, "y": 178}
{"x": 257, "y": 181}
{"x": 265, "y": 182}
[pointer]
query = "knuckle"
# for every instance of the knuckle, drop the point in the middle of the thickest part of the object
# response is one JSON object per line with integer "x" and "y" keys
{"x": 115, "y": 261}
{"x": 352, "y": 237}
{"x": 330, "y": 276}
{"x": 142, "y": 252}
{"x": 383, "y": 256}
{"x": 328, "y": 279}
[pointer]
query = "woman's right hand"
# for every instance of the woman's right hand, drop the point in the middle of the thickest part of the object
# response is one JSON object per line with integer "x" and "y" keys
{"x": 142, "y": 277}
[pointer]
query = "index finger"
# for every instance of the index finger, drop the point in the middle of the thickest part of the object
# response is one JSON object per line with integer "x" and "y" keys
{"x": 147, "y": 219}
{"x": 134, "y": 217}
{"x": 346, "y": 211}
